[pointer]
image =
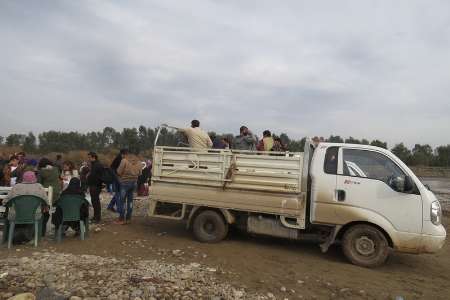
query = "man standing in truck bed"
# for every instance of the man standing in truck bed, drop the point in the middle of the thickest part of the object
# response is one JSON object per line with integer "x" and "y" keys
{"x": 198, "y": 138}
{"x": 246, "y": 140}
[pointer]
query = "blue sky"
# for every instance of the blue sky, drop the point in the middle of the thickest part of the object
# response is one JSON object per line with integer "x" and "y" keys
{"x": 373, "y": 69}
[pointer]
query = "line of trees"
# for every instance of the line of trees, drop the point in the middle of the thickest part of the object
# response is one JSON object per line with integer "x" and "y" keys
{"x": 142, "y": 139}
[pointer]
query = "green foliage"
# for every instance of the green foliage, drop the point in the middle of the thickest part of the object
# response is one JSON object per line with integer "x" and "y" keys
{"x": 379, "y": 143}
{"x": 15, "y": 140}
{"x": 365, "y": 142}
{"x": 335, "y": 139}
{"x": 111, "y": 137}
{"x": 141, "y": 140}
{"x": 285, "y": 139}
{"x": 352, "y": 140}
{"x": 146, "y": 137}
{"x": 57, "y": 141}
{"x": 130, "y": 139}
{"x": 422, "y": 155}
{"x": 1, "y": 140}
{"x": 297, "y": 145}
{"x": 29, "y": 144}
{"x": 442, "y": 156}
{"x": 402, "y": 152}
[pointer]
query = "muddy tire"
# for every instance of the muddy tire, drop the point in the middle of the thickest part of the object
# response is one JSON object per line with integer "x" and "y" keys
{"x": 209, "y": 227}
{"x": 365, "y": 246}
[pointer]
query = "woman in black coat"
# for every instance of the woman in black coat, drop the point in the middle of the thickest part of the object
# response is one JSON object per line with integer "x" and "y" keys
{"x": 74, "y": 188}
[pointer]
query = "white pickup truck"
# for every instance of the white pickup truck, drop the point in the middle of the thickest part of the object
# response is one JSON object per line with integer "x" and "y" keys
{"x": 362, "y": 197}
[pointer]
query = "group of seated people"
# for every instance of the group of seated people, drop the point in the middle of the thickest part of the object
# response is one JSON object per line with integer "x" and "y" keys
{"x": 246, "y": 140}
{"x": 29, "y": 186}
{"x": 56, "y": 174}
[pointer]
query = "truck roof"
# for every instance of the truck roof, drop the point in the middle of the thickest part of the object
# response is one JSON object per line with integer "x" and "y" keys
{"x": 359, "y": 146}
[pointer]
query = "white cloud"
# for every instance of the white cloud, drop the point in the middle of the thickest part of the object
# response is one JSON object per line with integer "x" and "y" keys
{"x": 375, "y": 69}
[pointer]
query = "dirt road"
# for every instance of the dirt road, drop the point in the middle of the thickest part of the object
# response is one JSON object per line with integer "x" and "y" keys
{"x": 286, "y": 269}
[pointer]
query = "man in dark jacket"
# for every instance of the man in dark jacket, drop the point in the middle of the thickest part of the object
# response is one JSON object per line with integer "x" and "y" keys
{"x": 95, "y": 185}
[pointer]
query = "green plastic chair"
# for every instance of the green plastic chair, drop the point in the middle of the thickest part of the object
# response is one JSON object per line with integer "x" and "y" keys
{"x": 25, "y": 208}
{"x": 70, "y": 206}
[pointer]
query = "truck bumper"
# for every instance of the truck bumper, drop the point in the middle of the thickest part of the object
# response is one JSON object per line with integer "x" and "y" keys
{"x": 431, "y": 243}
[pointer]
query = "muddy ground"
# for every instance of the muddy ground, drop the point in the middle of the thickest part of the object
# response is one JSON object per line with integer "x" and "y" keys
{"x": 286, "y": 269}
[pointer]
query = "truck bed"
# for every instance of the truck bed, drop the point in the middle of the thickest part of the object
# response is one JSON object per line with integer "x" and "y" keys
{"x": 266, "y": 182}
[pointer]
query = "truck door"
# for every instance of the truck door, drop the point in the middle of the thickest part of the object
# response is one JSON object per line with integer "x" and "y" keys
{"x": 323, "y": 172}
{"x": 368, "y": 180}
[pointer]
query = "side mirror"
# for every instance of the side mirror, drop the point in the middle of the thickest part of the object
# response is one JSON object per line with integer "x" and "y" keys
{"x": 409, "y": 184}
{"x": 398, "y": 183}
{"x": 402, "y": 184}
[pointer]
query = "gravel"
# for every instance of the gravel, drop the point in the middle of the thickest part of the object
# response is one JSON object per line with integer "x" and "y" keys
{"x": 50, "y": 275}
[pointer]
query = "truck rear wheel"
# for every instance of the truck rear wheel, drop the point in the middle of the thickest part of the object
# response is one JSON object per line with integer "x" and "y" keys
{"x": 209, "y": 227}
{"x": 365, "y": 246}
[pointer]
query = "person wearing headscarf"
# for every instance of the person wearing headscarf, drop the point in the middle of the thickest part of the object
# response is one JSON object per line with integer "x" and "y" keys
{"x": 28, "y": 165}
{"x": 74, "y": 188}
{"x": 68, "y": 172}
{"x": 144, "y": 178}
{"x": 84, "y": 171}
{"x": 28, "y": 186}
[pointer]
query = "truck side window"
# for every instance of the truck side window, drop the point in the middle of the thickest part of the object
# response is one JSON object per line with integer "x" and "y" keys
{"x": 331, "y": 160}
{"x": 370, "y": 164}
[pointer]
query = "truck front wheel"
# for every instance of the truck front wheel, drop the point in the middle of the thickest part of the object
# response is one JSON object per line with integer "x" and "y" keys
{"x": 209, "y": 227}
{"x": 365, "y": 246}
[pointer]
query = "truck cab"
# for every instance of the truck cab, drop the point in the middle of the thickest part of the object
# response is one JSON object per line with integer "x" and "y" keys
{"x": 372, "y": 198}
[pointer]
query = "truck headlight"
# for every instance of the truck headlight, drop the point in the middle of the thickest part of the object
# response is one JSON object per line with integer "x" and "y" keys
{"x": 436, "y": 213}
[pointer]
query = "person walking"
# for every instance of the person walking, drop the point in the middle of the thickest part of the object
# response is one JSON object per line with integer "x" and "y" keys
{"x": 116, "y": 183}
{"x": 95, "y": 185}
{"x": 128, "y": 172}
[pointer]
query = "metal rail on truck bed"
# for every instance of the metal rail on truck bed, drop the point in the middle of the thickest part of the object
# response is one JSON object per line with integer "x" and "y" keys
{"x": 252, "y": 181}
{"x": 229, "y": 169}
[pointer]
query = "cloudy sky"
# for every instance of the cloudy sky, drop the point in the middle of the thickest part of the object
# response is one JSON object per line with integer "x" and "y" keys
{"x": 374, "y": 69}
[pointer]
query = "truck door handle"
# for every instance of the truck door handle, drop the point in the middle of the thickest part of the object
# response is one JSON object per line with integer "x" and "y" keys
{"x": 340, "y": 195}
